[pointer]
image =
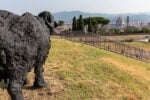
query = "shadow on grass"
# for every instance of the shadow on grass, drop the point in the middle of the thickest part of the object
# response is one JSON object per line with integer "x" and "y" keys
{"x": 30, "y": 88}
{"x": 3, "y": 85}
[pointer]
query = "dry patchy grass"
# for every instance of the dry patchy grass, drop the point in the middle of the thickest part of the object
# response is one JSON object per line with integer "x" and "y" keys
{"x": 75, "y": 71}
{"x": 144, "y": 45}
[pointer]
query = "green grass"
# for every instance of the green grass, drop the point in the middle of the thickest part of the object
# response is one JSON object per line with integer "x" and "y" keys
{"x": 79, "y": 72}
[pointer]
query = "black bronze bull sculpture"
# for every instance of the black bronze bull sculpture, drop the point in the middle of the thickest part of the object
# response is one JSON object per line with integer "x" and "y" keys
{"x": 24, "y": 44}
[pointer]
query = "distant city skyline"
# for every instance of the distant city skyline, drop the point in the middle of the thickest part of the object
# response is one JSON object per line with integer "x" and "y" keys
{"x": 91, "y": 6}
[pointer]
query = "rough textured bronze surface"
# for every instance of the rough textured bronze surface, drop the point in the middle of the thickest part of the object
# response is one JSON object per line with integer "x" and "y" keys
{"x": 24, "y": 44}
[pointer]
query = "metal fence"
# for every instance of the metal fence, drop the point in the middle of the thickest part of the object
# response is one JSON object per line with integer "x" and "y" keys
{"x": 110, "y": 45}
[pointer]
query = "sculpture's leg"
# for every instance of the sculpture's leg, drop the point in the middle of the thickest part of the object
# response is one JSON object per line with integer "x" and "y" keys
{"x": 40, "y": 60}
{"x": 16, "y": 80}
{"x": 15, "y": 90}
{"x": 39, "y": 80}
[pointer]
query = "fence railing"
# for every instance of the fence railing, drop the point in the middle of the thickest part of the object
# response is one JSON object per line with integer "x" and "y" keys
{"x": 109, "y": 45}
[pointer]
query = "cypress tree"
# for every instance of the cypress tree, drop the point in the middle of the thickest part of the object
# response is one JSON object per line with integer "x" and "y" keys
{"x": 74, "y": 24}
{"x": 90, "y": 27}
{"x": 80, "y": 23}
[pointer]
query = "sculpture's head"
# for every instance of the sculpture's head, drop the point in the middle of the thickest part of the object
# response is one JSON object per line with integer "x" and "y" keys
{"x": 49, "y": 20}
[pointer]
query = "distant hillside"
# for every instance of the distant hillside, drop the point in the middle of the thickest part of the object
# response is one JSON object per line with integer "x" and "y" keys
{"x": 134, "y": 17}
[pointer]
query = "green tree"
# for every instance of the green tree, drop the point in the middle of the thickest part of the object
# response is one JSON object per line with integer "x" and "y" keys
{"x": 145, "y": 30}
{"x": 60, "y": 23}
{"x": 80, "y": 23}
{"x": 129, "y": 30}
{"x": 96, "y": 21}
{"x": 90, "y": 27}
{"x": 74, "y": 24}
{"x": 115, "y": 31}
{"x": 137, "y": 30}
{"x": 102, "y": 31}
{"x": 134, "y": 30}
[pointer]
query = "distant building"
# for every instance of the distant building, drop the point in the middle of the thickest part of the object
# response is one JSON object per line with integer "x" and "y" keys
{"x": 120, "y": 21}
{"x": 128, "y": 20}
{"x": 139, "y": 25}
{"x": 65, "y": 27}
{"x": 120, "y": 24}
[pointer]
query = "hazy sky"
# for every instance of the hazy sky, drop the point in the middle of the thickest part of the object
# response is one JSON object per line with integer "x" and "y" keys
{"x": 95, "y": 6}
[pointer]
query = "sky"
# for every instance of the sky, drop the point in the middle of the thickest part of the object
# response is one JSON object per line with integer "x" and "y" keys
{"x": 91, "y": 6}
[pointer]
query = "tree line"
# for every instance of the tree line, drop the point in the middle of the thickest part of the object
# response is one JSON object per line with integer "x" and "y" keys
{"x": 92, "y": 23}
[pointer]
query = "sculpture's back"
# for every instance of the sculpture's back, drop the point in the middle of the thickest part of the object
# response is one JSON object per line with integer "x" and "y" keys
{"x": 24, "y": 43}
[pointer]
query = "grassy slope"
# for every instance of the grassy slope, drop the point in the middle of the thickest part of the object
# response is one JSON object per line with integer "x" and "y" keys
{"x": 78, "y": 72}
{"x": 144, "y": 45}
